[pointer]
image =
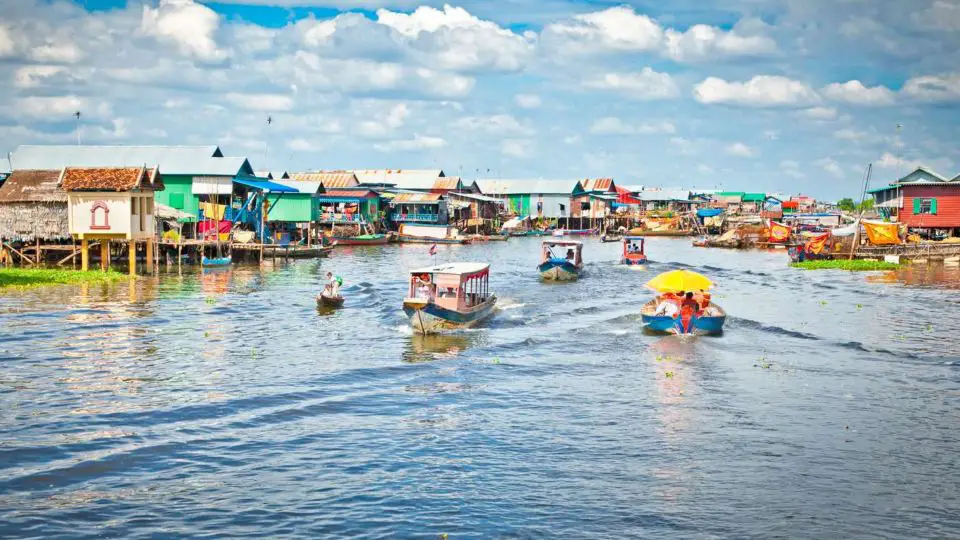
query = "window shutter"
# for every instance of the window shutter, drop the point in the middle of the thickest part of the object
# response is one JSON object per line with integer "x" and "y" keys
{"x": 933, "y": 206}
{"x": 916, "y": 206}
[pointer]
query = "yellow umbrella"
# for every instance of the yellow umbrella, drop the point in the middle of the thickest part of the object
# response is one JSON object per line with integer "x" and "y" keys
{"x": 679, "y": 280}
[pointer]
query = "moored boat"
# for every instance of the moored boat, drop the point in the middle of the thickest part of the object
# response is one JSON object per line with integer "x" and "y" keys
{"x": 214, "y": 262}
{"x": 633, "y": 250}
{"x": 361, "y": 240}
{"x": 449, "y": 296}
{"x": 566, "y": 267}
{"x": 607, "y": 238}
{"x": 430, "y": 234}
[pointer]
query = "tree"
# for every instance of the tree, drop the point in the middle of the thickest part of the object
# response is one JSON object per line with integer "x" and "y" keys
{"x": 866, "y": 205}
{"x": 846, "y": 204}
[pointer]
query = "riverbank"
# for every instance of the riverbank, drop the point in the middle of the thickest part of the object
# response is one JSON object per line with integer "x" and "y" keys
{"x": 854, "y": 265}
{"x": 30, "y": 277}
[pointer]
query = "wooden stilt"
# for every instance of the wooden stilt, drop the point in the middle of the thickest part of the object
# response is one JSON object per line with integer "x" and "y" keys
{"x": 84, "y": 255}
{"x": 132, "y": 251}
{"x": 104, "y": 255}
{"x": 149, "y": 255}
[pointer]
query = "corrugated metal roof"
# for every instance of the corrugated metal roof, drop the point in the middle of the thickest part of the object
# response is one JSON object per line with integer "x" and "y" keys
{"x": 754, "y": 197}
{"x": 185, "y": 160}
{"x": 598, "y": 184}
{"x": 475, "y": 197}
{"x": 348, "y": 194}
{"x": 447, "y": 183}
{"x": 416, "y": 197}
{"x": 32, "y": 186}
{"x": 329, "y": 179}
{"x": 422, "y": 179}
{"x": 537, "y": 186}
{"x": 301, "y": 186}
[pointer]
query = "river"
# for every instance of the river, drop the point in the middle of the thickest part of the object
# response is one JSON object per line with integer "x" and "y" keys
{"x": 225, "y": 404}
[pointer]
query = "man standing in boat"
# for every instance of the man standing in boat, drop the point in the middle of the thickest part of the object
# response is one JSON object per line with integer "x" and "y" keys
{"x": 333, "y": 285}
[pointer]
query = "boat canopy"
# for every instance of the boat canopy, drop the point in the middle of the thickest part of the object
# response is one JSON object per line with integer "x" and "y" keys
{"x": 633, "y": 237}
{"x": 463, "y": 269}
{"x": 562, "y": 243}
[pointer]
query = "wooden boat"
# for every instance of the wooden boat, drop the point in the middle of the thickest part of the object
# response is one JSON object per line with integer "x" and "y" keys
{"x": 430, "y": 234}
{"x": 633, "y": 250}
{"x": 214, "y": 262}
{"x": 580, "y": 232}
{"x": 607, "y": 238}
{"x": 685, "y": 322}
{"x": 361, "y": 240}
{"x": 324, "y": 300}
{"x": 660, "y": 232}
{"x": 449, "y": 296}
{"x": 306, "y": 252}
{"x": 564, "y": 267}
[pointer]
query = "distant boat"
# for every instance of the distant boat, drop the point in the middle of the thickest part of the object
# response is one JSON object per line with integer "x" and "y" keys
{"x": 563, "y": 267}
{"x": 633, "y": 250}
{"x": 607, "y": 238}
{"x": 574, "y": 232}
{"x": 430, "y": 234}
{"x": 449, "y": 296}
{"x": 361, "y": 240}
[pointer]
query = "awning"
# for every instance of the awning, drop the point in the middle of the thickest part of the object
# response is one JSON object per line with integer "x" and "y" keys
{"x": 457, "y": 205}
{"x": 265, "y": 185}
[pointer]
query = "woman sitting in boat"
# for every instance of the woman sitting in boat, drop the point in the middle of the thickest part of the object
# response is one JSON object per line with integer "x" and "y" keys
{"x": 570, "y": 255}
{"x": 424, "y": 288}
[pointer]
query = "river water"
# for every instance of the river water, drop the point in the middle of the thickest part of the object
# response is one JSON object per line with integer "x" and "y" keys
{"x": 225, "y": 404}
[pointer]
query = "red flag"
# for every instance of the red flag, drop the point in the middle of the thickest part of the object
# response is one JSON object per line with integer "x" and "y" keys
{"x": 433, "y": 249}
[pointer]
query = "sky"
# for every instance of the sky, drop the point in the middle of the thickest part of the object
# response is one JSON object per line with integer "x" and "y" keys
{"x": 781, "y": 96}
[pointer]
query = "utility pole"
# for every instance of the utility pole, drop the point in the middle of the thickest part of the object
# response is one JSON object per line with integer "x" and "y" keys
{"x": 77, "y": 115}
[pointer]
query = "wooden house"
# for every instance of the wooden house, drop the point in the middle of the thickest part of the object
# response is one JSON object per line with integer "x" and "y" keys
{"x": 33, "y": 208}
{"x": 597, "y": 199}
{"x": 929, "y": 200}
{"x": 112, "y": 203}
{"x": 537, "y": 198}
{"x": 418, "y": 208}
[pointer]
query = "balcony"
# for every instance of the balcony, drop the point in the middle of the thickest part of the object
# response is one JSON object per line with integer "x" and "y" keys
{"x": 329, "y": 217}
{"x": 398, "y": 217}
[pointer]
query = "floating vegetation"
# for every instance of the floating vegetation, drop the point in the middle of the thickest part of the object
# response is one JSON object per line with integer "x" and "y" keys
{"x": 668, "y": 374}
{"x": 823, "y": 302}
{"x": 855, "y": 265}
{"x": 28, "y": 277}
{"x": 210, "y": 300}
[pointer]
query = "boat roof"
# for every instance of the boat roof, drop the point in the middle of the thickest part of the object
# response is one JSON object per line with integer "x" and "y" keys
{"x": 459, "y": 268}
{"x": 632, "y": 237}
{"x": 562, "y": 243}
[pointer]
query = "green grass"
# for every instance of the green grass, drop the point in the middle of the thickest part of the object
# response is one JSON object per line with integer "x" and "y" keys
{"x": 27, "y": 277}
{"x": 855, "y": 265}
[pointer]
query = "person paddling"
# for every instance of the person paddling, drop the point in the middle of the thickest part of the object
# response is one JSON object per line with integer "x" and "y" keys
{"x": 332, "y": 289}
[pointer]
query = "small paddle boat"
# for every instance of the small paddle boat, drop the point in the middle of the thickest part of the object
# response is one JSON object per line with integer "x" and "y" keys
{"x": 449, "y": 296}
{"x": 668, "y": 313}
{"x": 565, "y": 266}
{"x": 360, "y": 240}
{"x": 326, "y": 300}
{"x": 611, "y": 237}
{"x": 215, "y": 262}
{"x": 633, "y": 250}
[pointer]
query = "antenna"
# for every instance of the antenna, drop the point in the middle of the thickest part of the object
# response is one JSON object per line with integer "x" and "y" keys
{"x": 77, "y": 114}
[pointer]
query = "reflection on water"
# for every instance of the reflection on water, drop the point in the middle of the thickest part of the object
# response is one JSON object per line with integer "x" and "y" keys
{"x": 149, "y": 407}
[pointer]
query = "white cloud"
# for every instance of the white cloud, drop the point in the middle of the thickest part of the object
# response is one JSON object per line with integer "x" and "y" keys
{"x": 942, "y": 15}
{"x": 50, "y": 108}
{"x": 616, "y": 28}
{"x": 527, "y": 101}
{"x": 33, "y": 76}
{"x": 572, "y": 139}
{"x": 705, "y": 169}
{"x": 261, "y": 102}
{"x": 452, "y": 38}
{"x": 417, "y": 143}
{"x": 398, "y": 115}
{"x": 684, "y": 146}
{"x": 935, "y": 88}
{"x": 612, "y": 125}
{"x": 63, "y": 53}
{"x": 702, "y": 42}
{"x": 498, "y": 124}
{"x": 791, "y": 168}
{"x": 518, "y": 148}
{"x": 890, "y": 161}
{"x": 850, "y": 135}
{"x": 8, "y": 45}
{"x": 302, "y": 145}
{"x": 855, "y": 93}
{"x": 831, "y": 166}
{"x": 192, "y": 27}
{"x": 739, "y": 149}
{"x": 821, "y": 113}
{"x": 760, "y": 91}
{"x": 644, "y": 85}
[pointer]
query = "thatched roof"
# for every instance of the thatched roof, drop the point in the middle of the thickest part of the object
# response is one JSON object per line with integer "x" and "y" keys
{"x": 32, "y": 186}
{"x": 110, "y": 179}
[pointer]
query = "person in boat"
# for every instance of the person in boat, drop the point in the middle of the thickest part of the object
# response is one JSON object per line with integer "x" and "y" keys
{"x": 423, "y": 287}
{"x": 667, "y": 306}
{"x": 332, "y": 289}
{"x": 703, "y": 298}
{"x": 689, "y": 302}
{"x": 570, "y": 255}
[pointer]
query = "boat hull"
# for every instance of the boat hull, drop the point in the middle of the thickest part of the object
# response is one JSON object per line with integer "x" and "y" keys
{"x": 552, "y": 271}
{"x": 329, "y": 301}
{"x": 405, "y": 239}
{"x": 216, "y": 262}
{"x": 429, "y": 318}
{"x": 634, "y": 260}
{"x": 379, "y": 239}
{"x": 678, "y": 324}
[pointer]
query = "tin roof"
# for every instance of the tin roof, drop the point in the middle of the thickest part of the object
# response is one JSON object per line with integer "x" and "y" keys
{"x": 200, "y": 160}
{"x": 301, "y": 186}
{"x": 598, "y": 184}
{"x": 754, "y": 197}
{"x": 416, "y": 197}
{"x": 422, "y": 179}
{"x": 459, "y": 268}
{"x": 109, "y": 179}
{"x": 5, "y": 165}
{"x": 348, "y": 194}
{"x": 329, "y": 179}
{"x": 447, "y": 182}
{"x": 535, "y": 186}
{"x": 32, "y": 186}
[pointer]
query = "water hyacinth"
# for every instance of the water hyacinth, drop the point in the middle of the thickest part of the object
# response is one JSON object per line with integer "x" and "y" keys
{"x": 27, "y": 277}
{"x": 855, "y": 265}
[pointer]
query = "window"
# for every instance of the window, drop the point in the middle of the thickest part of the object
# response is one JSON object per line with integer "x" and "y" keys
{"x": 585, "y": 206}
{"x": 924, "y": 206}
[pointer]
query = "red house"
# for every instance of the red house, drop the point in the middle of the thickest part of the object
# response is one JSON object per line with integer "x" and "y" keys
{"x": 929, "y": 200}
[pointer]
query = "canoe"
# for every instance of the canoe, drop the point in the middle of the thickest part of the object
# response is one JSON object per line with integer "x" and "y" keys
{"x": 362, "y": 240}
{"x": 559, "y": 270}
{"x": 329, "y": 301}
{"x": 216, "y": 261}
{"x": 407, "y": 239}
{"x": 685, "y": 322}
{"x": 429, "y": 318}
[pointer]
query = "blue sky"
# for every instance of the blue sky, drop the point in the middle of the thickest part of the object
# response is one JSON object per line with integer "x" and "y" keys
{"x": 782, "y": 96}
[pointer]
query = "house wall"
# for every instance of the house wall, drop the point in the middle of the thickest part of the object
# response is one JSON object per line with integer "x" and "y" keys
{"x": 25, "y": 221}
{"x": 293, "y": 207}
{"x": 177, "y": 193}
{"x": 129, "y": 215}
{"x": 948, "y": 207}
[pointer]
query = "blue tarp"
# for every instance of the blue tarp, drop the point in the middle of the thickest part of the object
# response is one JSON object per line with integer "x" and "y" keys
{"x": 709, "y": 212}
{"x": 265, "y": 185}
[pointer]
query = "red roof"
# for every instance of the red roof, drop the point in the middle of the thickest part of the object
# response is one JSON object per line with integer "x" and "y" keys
{"x": 598, "y": 184}
{"x": 625, "y": 196}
